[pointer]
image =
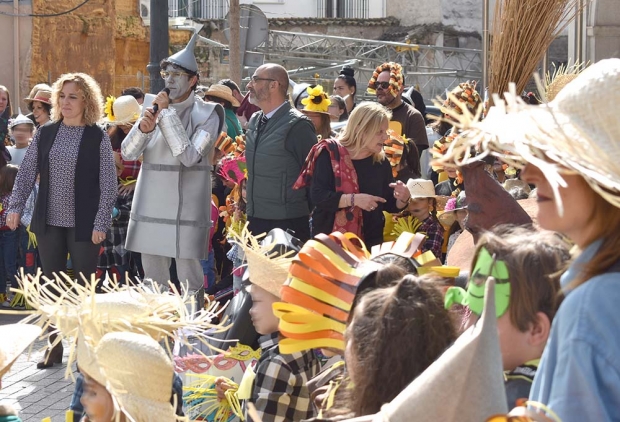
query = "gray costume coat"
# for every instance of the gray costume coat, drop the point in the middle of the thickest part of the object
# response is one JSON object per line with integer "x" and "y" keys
{"x": 171, "y": 211}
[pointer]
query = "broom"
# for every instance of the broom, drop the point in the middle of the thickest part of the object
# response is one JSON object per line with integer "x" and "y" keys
{"x": 522, "y": 32}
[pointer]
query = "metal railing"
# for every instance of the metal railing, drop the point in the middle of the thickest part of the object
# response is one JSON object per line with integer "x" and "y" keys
{"x": 431, "y": 69}
{"x": 199, "y": 9}
{"x": 349, "y": 9}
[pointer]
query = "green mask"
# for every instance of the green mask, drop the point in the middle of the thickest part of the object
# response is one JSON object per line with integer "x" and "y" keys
{"x": 474, "y": 296}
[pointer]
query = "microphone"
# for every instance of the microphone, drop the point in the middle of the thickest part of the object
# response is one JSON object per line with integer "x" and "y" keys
{"x": 156, "y": 106}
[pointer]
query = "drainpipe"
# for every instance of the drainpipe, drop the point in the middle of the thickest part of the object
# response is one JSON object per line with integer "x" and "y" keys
{"x": 16, "y": 75}
{"x": 485, "y": 47}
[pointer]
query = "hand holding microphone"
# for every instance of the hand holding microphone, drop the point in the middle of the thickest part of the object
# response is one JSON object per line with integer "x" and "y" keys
{"x": 149, "y": 120}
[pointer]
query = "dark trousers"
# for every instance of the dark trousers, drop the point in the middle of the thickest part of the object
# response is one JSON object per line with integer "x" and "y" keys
{"x": 8, "y": 259}
{"x": 299, "y": 226}
{"x": 54, "y": 245}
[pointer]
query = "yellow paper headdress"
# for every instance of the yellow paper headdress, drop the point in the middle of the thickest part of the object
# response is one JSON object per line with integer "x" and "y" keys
{"x": 109, "y": 109}
{"x": 317, "y": 99}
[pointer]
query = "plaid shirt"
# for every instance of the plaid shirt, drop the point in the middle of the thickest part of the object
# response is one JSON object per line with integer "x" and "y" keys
{"x": 279, "y": 391}
{"x": 434, "y": 236}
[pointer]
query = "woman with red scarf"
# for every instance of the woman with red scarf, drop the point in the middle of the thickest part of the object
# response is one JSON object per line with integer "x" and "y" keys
{"x": 351, "y": 181}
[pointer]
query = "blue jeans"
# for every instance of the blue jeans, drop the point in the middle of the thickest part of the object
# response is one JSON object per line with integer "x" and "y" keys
{"x": 208, "y": 269}
{"x": 8, "y": 258}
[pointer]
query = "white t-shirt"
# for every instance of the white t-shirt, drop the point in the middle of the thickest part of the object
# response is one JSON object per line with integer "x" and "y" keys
{"x": 17, "y": 155}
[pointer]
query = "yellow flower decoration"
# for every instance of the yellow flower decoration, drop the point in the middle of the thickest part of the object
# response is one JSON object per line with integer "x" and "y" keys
{"x": 109, "y": 110}
{"x": 317, "y": 99}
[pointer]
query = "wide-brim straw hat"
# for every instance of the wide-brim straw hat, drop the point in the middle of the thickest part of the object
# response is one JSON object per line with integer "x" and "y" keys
{"x": 466, "y": 383}
{"x": 42, "y": 95}
{"x": 223, "y": 92}
{"x": 576, "y": 133}
{"x": 421, "y": 188}
{"x": 137, "y": 373}
{"x": 126, "y": 111}
{"x": 267, "y": 268}
{"x": 15, "y": 339}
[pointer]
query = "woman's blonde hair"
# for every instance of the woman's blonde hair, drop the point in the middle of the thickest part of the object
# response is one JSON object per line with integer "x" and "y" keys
{"x": 89, "y": 88}
{"x": 365, "y": 120}
{"x": 8, "y": 109}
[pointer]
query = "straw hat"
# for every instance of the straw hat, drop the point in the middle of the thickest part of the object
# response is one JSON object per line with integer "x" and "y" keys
{"x": 448, "y": 216}
{"x": 15, "y": 339}
{"x": 42, "y": 95}
{"x": 466, "y": 383}
{"x": 421, "y": 188}
{"x": 267, "y": 267}
{"x": 222, "y": 91}
{"x": 138, "y": 375}
{"x": 578, "y": 131}
{"x": 517, "y": 183}
{"x": 123, "y": 110}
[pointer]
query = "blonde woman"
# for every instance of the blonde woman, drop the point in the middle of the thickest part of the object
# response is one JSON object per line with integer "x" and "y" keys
{"x": 77, "y": 186}
{"x": 351, "y": 182}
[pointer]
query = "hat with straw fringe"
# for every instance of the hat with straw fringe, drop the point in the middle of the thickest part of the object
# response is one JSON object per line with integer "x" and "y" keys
{"x": 576, "y": 133}
{"x": 15, "y": 339}
{"x": 268, "y": 268}
{"x": 86, "y": 317}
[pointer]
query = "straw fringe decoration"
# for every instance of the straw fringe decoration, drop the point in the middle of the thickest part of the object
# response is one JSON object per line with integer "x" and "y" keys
{"x": 561, "y": 76}
{"x": 70, "y": 307}
{"x": 268, "y": 271}
{"x": 522, "y": 32}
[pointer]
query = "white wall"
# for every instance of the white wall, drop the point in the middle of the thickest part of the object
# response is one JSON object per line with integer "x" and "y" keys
{"x": 415, "y": 12}
{"x": 7, "y": 74}
{"x": 306, "y": 8}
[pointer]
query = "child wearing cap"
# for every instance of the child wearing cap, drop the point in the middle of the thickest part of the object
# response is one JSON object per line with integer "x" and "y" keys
{"x": 21, "y": 129}
{"x": 423, "y": 206}
{"x": 278, "y": 390}
{"x": 527, "y": 272}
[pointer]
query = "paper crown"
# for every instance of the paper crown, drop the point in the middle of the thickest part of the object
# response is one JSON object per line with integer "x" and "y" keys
{"x": 464, "y": 95}
{"x": 396, "y": 77}
{"x": 322, "y": 283}
{"x": 233, "y": 169}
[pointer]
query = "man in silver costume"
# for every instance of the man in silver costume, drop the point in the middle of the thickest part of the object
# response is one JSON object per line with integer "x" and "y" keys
{"x": 171, "y": 212}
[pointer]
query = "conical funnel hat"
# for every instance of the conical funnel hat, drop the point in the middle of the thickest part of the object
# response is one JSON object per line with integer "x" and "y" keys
{"x": 185, "y": 58}
{"x": 465, "y": 384}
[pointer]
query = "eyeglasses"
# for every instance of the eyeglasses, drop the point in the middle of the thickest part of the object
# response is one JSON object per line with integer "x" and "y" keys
{"x": 257, "y": 79}
{"x": 382, "y": 85}
{"x": 165, "y": 74}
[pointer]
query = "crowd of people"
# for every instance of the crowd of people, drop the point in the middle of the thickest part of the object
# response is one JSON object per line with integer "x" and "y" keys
{"x": 329, "y": 246}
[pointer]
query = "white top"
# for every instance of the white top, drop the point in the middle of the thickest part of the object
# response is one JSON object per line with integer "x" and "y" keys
{"x": 17, "y": 155}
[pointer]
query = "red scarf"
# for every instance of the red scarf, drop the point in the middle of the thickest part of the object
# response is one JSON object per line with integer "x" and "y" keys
{"x": 346, "y": 219}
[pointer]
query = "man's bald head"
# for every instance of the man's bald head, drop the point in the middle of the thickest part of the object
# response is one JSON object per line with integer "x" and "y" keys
{"x": 279, "y": 73}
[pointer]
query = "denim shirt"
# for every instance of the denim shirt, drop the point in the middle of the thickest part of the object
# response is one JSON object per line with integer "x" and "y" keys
{"x": 579, "y": 375}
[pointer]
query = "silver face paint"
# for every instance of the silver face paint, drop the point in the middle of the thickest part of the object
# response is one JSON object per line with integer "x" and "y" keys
{"x": 178, "y": 85}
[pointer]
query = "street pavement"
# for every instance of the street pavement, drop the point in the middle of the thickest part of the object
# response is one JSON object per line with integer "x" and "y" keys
{"x": 36, "y": 393}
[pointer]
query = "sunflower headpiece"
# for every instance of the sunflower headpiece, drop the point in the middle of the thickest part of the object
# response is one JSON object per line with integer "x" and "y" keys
{"x": 109, "y": 109}
{"x": 317, "y": 99}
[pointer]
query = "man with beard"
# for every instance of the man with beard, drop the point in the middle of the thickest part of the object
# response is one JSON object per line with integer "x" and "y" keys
{"x": 278, "y": 141}
{"x": 388, "y": 82}
{"x": 171, "y": 212}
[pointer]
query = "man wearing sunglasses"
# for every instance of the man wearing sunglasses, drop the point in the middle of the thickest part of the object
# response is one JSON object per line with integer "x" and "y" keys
{"x": 171, "y": 211}
{"x": 278, "y": 141}
{"x": 389, "y": 85}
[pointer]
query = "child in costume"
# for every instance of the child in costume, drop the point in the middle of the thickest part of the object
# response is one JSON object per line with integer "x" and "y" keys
{"x": 453, "y": 218}
{"x": 278, "y": 384}
{"x": 117, "y": 344}
{"x": 8, "y": 238}
{"x": 525, "y": 264}
{"x": 423, "y": 206}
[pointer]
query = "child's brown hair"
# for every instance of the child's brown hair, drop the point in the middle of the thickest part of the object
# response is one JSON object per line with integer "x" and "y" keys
{"x": 8, "y": 174}
{"x": 535, "y": 261}
{"x": 396, "y": 333}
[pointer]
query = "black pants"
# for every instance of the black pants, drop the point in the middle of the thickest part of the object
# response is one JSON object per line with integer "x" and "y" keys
{"x": 54, "y": 245}
{"x": 299, "y": 226}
